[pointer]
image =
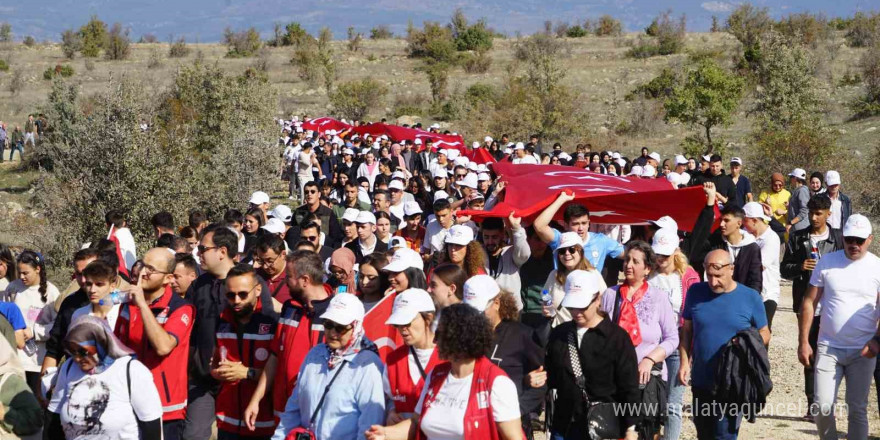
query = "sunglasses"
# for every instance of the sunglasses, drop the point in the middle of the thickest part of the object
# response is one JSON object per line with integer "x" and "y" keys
{"x": 856, "y": 240}
{"x": 203, "y": 249}
{"x": 338, "y": 328}
{"x": 568, "y": 250}
{"x": 311, "y": 192}
{"x": 313, "y": 238}
{"x": 717, "y": 267}
{"x": 79, "y": 353}
{"x": 240, "y": 295}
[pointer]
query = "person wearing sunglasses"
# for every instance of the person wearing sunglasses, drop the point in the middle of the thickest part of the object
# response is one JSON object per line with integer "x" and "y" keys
{"x": 340, "y": 391}
{"x": 331, "y": 229}
{"x": 715, "y": 311}
{"x": 244, "y": 338}
{"x": 569, "y": 256}
{"x": 847, "y": 284}
{"x": 99, "y": 391}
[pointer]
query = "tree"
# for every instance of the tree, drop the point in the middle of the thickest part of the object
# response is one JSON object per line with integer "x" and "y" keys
{"x": 242, "y": 43}
{"x": 476, "y": 37}
{"x": 433, "y": 41}
{"x": 94, "y": 37}
{"x": 716, "y": 26}
{"x": 325, "y": 57}
{"x": 71, "y": 43}
{"x": 354, "y": 99}
{"x": 438, "y": 78}
{"x": 789, "y": 91}
{"x": 541, "y": 53}
{"x": 608, "y": 26}
{"x": 748, "y": 24}
{"x": 864, "y": 30}
{"x": 869, "y": 103}
{"x": 707, "y": 97}
{"x": 354, "y": 39}
{"x": 381, "y": 32}
{"x": 5, "y": 33}
{"x": 118, "y": 43}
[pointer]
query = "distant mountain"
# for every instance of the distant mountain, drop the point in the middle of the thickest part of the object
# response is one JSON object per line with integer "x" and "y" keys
{"x": 204, "y": 20}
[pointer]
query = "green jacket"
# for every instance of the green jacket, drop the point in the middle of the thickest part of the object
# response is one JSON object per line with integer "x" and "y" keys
{"x": 30, "y": 127}
{"x": 23, "y": 413}
{"x": 17, "y": 137}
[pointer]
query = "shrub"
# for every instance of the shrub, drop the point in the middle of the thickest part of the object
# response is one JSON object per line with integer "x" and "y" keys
{"x": 653, "y": 29}
{"x": 661, "y": 86}
{"x": 148, "y": 38}
{"x": 242, "y": 43}
{"x": 789, "y": 91}
{"x": 64, "y": 71}
{"x": 4, "y": 66}
{"x": 354, "y": 99}
{"x": 645, "y": 48}
{"x": 478, "y": 62}
{"x": 94, "y": 37}
{"x": 808, "y": 29}
{"x": 477, "y": 37}
{"x": 438, "y": 78}
{"x": 716, "y": 26}
{"x": 178, "y": 49}
{"x": 354, "y": 39}
{"x": 118, "y": 43}
{"x": 644, "y": 119}
{"x": 748, "y": 23}
{"x": 869, "y": 103}
{"x": 561, "y": 29}
{"x": 5, "y": 33}
{"x": 479, "y": 93}
{"x": 29, "y": 41}
{"x": 802, "y": 145}
{"x": 90, "y": 65}
{"x": 541, "y": 53}
{"x": 433, "y": 41}
{"x": 155, "y": 60}
{"x": 291, "y": 35}
{"x": 71, "y": 43}
{"x": 412, "y": 105}
{"x": 16, "y": 83}
{"x": 863, "y": 30}
{"x": 576, "y": 32}
{"x": 608, "y": 26}
{"x": 381, "y": 32}
{"x": 669, "y": 38}
{"x": 305, "y": 59}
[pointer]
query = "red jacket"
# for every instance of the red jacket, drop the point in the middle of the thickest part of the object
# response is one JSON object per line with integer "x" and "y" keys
{"x": 298, "y": 331}
{"x": 175, "y": 315}
{"x": 249, "y": 344}
{"x": 403, "y": 392}
{"x": 478, "y": 421}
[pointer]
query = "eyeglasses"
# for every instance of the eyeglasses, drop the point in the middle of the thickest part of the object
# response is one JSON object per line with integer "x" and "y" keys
{"x": 202, "y": 249}
{"x": 150, "y": 270}
{"x": 717, "y": 267}
{"x": 266, "y": 261}
{"x": 240, "y": 295}
{"x": 311, "y": 192}
{"x": 460, "y": 176}
{"x": 569, "y": 250}
{"x": 852, "y": 240}
{"x": 338, "y": 328}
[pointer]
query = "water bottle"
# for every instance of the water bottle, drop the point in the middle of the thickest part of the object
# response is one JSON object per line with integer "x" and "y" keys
{"x": 115, "y": 297}
{"x": 30, "y": 347}
{"x": 547, "y": 300}
{"x": 342, "y": 289}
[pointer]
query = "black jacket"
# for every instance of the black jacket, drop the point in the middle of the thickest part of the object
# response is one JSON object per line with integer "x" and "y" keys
{"x": 514, "y": 350}
{"x": 798, "y": 249}
{"x": 354, "y": 246}
{"x": 742, "y": 375}
{"x": 747, "y": 268}
{"x": 610, "y": 369}
{"x": 331, "y": 228}
{"x": 208, "y": 296}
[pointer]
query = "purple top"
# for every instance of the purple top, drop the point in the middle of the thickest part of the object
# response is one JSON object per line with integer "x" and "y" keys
{"x": 657, "y": 321}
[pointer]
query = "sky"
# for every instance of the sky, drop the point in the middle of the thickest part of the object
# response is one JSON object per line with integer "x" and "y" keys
{"x": 204, "y": 20}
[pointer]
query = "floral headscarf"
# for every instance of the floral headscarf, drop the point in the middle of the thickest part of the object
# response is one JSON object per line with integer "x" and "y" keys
{"x": 90, "y": 331}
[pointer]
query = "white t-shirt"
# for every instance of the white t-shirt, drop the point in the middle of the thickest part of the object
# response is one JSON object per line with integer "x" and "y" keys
{"x": 671, "y": 285}
{"x": 527, "y": 159}
{"x": 849, "y": 299}
{"x": 836, "y": 211}
{"x": 770, "y": 248}
{"x": 112, "y": 314}
{"x": 445, "y": 419}
{"x": 98, "y": 406}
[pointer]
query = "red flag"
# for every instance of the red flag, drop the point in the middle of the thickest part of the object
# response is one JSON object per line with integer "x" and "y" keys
{"x": 112, "y": 237}
{"x": 480, "y": 155}
{"x": 384, "y": 336}
{"x": 610, "y": 199}
{"x": 321, "y": 125}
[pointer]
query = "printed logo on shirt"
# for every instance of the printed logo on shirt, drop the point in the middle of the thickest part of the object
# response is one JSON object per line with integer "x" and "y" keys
{"x": 483, "y": 400}
{"x": 261, "y": 354}
{"x": 185, "y": 319}
{"x": 264, "y": 329}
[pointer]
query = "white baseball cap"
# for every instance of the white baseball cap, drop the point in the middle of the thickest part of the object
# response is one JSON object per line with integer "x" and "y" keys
{"x": 443, "y": 151}
{"x": 281, "y": 212}
{"x": 397, "y": 242}
{"x": 395, "y": 184}
{"x": 483, "y": 177}
{"x": 519, "y": 146}
{"x": 411, "y": 208}
{"x": 475, "y": 145}
{"x": 398, "y": 175}
{"x": 707, "y": 158}
{"x": 274, "y": 226}
{"x": 407, "y": 306}
{"x": 439, "y": 173}
{"x": 832, "y": 178}
{"x": 680, "y": 160}
{"x": 417, "y": 142}
{"x": 569, "y": 239}
{"x": 470, "y": 181}
{"x": 508, "y": 150}
{"x": 649, "y": 171}
{"x": 755, "y": 210}
{"x": 452, "y": 154}
{"x": 331, "y": 132}
{"x": 736, "y": 160}
{"x": 403, "y": 259}
{"x": 259, "y": 197}
{"x": 350, "y": 214}
{"x": 344, "y": 309}
{"x": 857, "y": 226}
{"x": 665, "y": 241}
{"x": 482, "y": 168}
{"x": 636, "y": 171}
{"x": 479, "y": 290}
{"x": 461, "y": 160}
{"x": 472, "y": 166}
{"x": 615, "y": 155}
{"x": 348, "y": 151}
{"x": 487, "y": 139}
{"x": 365, "y": 217}
{"x": 655, "y": 155}
{"x": 581, "y": 288}
{"x": 460, "y": 235}
{"x": 440, "y": 195}
{"x": 799, "y": 173}
{"x": 665, "y": 222}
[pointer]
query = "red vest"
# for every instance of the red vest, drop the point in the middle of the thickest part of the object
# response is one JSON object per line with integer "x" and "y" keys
{"x": 403, "y": 392}
{"x": 249, "y": 344}
{"x": 175, "y": 315}
{"x": 478, "y": 421}
{"x": 297, "y": 332}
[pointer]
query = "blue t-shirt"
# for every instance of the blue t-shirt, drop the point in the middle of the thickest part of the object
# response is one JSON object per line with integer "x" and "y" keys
{"x": 13, "y": 314}
{"x": 597, "y": 247}
{"x": 717, "y": 318}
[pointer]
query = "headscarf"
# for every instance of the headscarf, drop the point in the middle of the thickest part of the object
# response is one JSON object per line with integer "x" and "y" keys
{"x": 356, "y": 344}
{"x": 344, "y": 259}
{"x": 91, "y": 331}
{"x": 777, "y": 176}
{"x": 9, "y": 362}
{"x": 396, "y": 156}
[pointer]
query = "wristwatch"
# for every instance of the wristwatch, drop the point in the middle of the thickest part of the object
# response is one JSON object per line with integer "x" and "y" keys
{"x": 251, "y": 374}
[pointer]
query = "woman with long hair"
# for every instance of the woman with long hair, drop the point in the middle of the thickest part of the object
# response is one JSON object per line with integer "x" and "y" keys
{"x": 647, "y": 316}
{"x": 454, "y": 399}
{"x": 35, "y": 296}
{"x": 369, "y": 168}
{"x": 100, "y": 391}
{"x": 674, "y": 276}
{"x": 372, "y": 285}
{"x": 461, "y": 249}
{"x": 8, "y": 267}
{"x": 569, "y": 256}
{"x": 383, "y": 227}
{"x": 404, "y": 271}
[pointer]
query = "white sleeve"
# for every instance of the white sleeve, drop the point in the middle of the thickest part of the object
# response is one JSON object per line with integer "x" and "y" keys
{"x": 386, "y": 383}
{"x": 504, "y": 400}
{"x": 144, "y": 399}
{"x": 59, "y": 393}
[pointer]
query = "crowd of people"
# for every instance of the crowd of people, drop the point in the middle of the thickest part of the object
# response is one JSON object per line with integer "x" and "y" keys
{"x": 256, "y": 324}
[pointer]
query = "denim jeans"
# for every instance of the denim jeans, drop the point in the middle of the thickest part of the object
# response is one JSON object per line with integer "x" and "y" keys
{"x": 832, "y": 365}
{"x": 711, "y": 422}
{"x": 20, "y": 149}
{"x": 676, "y": 394}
